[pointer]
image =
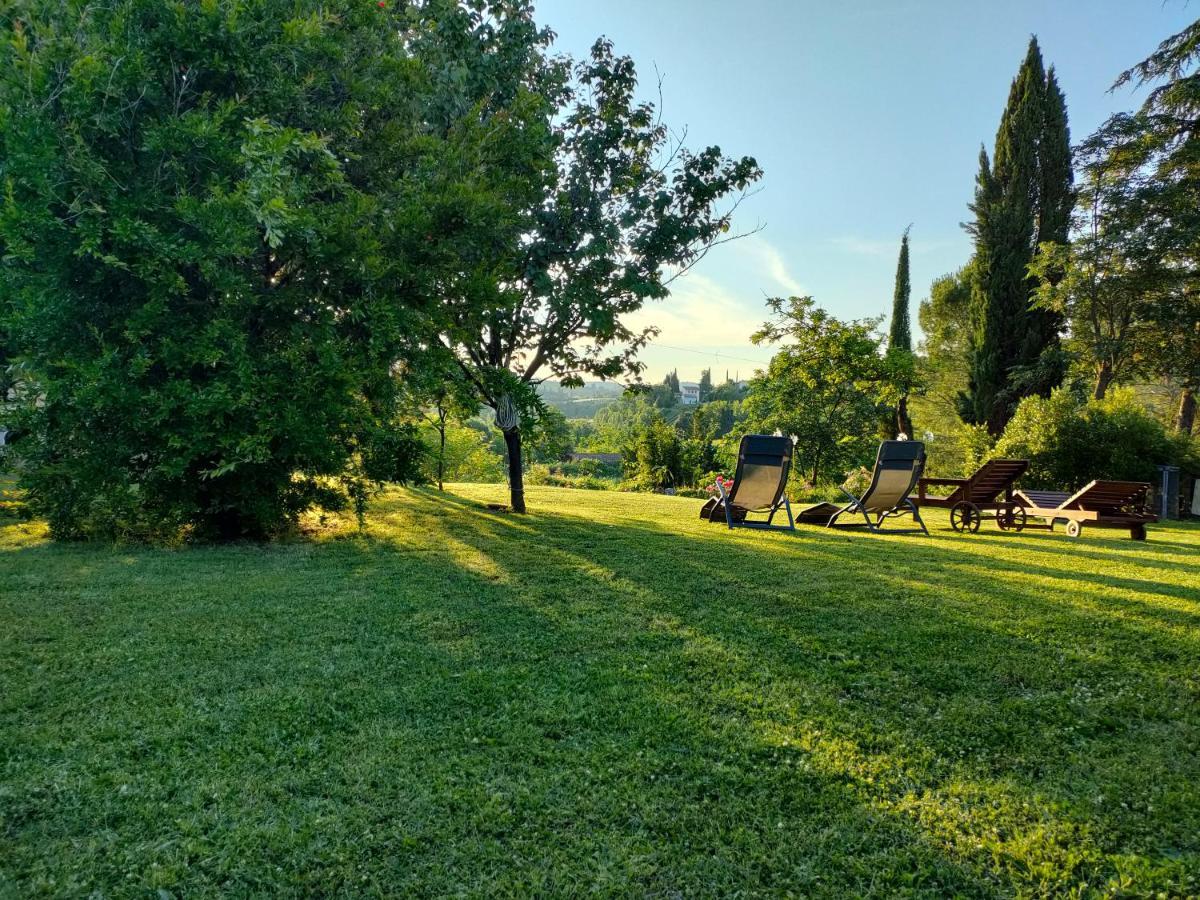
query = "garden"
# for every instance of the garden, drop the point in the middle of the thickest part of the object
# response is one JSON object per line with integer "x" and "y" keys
{"x": 349, "y": 544}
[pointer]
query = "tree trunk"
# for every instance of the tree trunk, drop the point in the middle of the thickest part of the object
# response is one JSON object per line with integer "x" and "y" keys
{"x": 516, "y": 477}
{"x": 1185, "y": 419}
{"x": 441, "y": 455}
{"x": 1104, "y": 378}
{"x": 441, "y": 447}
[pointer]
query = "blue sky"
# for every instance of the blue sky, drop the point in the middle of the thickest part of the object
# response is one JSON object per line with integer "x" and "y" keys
{"x": 865, "y": 115}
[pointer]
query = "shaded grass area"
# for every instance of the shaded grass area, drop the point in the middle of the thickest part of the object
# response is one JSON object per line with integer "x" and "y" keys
{"x": 606, "y": 696}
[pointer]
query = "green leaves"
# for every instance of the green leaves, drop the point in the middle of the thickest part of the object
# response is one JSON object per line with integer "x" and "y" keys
{"x": 824, "y": 388}
{"x": 1023, "y": 197}
{"x": 281, "y": 165}
{"x": 1144, "y": 167}
{"x": 200, "y": 279}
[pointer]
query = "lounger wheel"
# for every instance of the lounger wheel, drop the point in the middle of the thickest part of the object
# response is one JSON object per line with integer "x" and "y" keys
{"x": 1012, "y": 519}
{"x": 1074, "y": 529}
{"x": 965, "y": 516}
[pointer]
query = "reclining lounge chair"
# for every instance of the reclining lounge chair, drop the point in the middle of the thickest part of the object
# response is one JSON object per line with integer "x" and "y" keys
{"x": 762, "y": 473}
{"x": 1102, "y": 504}
{"x": 897, "y": 469}
{"x": 989, "y": 490}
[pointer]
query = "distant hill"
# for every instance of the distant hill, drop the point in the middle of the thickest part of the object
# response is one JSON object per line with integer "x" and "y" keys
{"x": 583, "y": 402}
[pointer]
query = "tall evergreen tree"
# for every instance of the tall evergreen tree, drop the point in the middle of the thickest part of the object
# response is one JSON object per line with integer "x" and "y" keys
{"x": 1023, "y": 196}
{"x": 899, "y": 350}
{"x": 706, "y": 385}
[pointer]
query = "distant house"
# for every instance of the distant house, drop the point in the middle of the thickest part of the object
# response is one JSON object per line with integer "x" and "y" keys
{"x": 689, "y": 393}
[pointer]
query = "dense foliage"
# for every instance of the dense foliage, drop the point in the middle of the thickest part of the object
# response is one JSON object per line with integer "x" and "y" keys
{"x": 207, "y": 224}
{"x": 1069, "y": 441}
{"x": 942, "y": 366}
{"x": 1151, "y": 160}
{"x": 824, "y": 388}
{"x": 263, "y": 225}
{"x": 1120, "y": 282}
{"x": 1023, "y": 198}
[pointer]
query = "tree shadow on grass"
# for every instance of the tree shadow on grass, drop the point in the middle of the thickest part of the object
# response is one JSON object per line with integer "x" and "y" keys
{"x": 1068, "y": 699}
{"x": 1144, "y": 554}
{"x": 351, "y": 714}
{"x": 543, "y": 704}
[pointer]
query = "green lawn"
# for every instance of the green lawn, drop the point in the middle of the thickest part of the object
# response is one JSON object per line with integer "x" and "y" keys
{"x": 606, "y": 696}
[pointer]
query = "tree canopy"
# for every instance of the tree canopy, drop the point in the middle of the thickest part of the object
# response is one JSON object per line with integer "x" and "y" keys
{"x": 224, "y": 226}
{"x": 1151, "y": 156}
{"x": 617, "y": 211}
{"x": 824, "y": 387}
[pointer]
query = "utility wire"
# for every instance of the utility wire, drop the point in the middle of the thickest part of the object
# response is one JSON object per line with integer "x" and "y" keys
{"x": 713, "y": 353}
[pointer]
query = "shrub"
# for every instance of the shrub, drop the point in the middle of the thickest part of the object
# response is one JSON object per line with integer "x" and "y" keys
{"x": 470, "y": 456}
{"x": 958, "y": 452}
{"x": 595, "y": 468}
{"x": 1069, "y": 442}
{"x": 654, "y": 459}
{"x": 565, "y": 475}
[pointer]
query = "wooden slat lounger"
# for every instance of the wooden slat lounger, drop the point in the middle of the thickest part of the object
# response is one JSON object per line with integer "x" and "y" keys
{"x": 1100, "y": 504}
{"x": 989, "y": 490}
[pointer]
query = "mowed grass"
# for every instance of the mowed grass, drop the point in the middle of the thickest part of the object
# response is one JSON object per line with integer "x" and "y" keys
{"x": 606, "y": 696}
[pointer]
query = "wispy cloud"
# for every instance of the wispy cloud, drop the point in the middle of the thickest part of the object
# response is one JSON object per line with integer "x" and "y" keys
{"x": 767, "y": 256}
{"x": 707, "y": 321}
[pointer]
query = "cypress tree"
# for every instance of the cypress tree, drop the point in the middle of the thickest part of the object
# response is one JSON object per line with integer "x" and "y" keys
{"x": 1023, "y": 196}
{"x": 900, "y": 337}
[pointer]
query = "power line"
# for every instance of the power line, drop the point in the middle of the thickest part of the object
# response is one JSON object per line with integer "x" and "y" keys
{"x": 713, "y": 353}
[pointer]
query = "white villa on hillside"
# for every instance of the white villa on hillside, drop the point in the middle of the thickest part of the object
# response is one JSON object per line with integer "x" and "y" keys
{"x": 689, "y": 393}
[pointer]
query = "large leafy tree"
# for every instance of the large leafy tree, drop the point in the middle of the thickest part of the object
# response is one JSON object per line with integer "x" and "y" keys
{"x": 945, "y": 317}
{"x": 616, "y": 211}
{"x": 1107, "y": 284}
{"x": 1023, "y": 198}
{"x": 824, "y": 388}
{"x": 223, "y": 226}
{"x": 1153, "y": 154}
{"x": 942, "y": 371}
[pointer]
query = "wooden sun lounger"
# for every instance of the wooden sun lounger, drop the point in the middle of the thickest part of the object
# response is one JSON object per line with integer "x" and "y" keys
{"x": 989, "y": 490}
{"x": 1099, "y": 504}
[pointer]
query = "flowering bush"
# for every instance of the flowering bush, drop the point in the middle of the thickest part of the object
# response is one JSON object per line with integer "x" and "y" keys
{"x": 719, "y": 483}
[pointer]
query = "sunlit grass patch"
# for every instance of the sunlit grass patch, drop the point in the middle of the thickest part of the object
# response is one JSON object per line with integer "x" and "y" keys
{"x": 605, "y": 695}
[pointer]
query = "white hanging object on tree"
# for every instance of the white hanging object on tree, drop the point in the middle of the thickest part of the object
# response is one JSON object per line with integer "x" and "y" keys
{"x": 508, "y": 416}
